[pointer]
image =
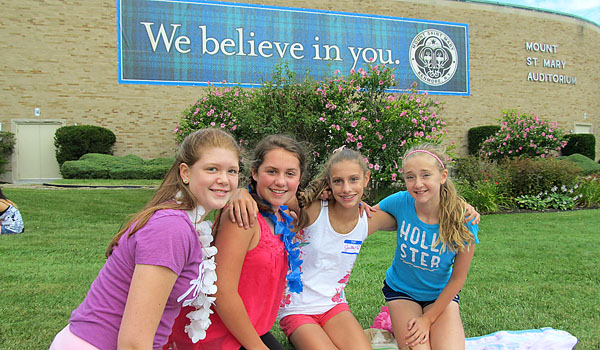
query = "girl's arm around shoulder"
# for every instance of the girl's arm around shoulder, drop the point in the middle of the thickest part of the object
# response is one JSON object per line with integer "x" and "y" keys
{"x": 243, "y": 208}
{"x": 233, "y": 243}
{"x": 472, "y": 216}
{"x": 150, "y": 287}
{"x": 381, "y": 221}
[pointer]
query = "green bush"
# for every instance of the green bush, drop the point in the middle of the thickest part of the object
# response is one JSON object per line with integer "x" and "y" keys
{"x": 478, "y": 134}
{"x": 472, "y": 169}
{"x": 103, "y": 166}
{"x": 73, "y": 141}
{"x": 157, "y": 168}
{"x": 532, "y": 176}
{"x": 580, "y": 143}
{"x": 77, "y": 169}
{"x": 588, "y": 165}
{"x": 110, "y": 160}
{"x": 155, "y": 171}
{"x": 7, "y": 146}
{"x": 162, "y": 162}
{"x": 486, "y": 196}
{"x": 523, "y": 135}
{"x": 127, "y": 172}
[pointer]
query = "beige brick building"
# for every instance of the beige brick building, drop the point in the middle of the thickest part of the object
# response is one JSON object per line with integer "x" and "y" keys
{"x": 59, "y": 67}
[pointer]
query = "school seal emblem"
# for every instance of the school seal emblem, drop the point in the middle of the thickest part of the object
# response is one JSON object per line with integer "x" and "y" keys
{"x": 433, "y": 57}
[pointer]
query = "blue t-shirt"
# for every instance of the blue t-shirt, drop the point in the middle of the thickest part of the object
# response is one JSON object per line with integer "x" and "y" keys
{"x": 419, "y": 269}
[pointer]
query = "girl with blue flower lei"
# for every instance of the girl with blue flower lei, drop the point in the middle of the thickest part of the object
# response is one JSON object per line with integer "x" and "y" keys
{"x": 253, "y": 262}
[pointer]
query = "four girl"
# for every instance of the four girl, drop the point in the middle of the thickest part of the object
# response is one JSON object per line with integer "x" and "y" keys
{"x": 159, "y": 254}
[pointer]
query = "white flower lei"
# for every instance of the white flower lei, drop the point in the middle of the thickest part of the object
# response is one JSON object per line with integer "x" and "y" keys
{"x": 205, "y": 283}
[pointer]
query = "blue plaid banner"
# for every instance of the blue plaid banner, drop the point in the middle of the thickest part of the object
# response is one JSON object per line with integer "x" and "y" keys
{"x": 195, "y": 42}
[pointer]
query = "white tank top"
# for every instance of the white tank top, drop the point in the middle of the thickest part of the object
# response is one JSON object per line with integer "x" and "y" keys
{"x": 328, "y": 258}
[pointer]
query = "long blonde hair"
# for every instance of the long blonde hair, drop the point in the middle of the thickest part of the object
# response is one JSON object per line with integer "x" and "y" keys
{"x": 314, "y": 189}
{"x": 453, "y": 233}
{"x": 189, "y": 152}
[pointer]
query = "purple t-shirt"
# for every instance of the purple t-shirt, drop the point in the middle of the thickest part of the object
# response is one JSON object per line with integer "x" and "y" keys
{"x": 168, "y": 239}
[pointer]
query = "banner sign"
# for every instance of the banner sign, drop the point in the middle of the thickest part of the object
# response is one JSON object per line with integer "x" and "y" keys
{"x": 176, "y": 42}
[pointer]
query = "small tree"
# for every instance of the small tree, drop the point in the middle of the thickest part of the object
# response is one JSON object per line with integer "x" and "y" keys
{"x": 523, "y": 135}
{"x": 73, "y": 141}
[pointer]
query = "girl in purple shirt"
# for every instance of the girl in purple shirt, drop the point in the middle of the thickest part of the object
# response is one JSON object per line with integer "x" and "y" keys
{"x": 161, "y": 259}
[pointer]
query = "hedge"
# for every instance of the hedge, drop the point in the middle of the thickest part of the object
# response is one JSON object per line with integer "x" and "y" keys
{"x": 478, "y": 134}
{"x": 103, "y": 166}
{"x": 580, "y": 143}
{"x": 588, "y": 165}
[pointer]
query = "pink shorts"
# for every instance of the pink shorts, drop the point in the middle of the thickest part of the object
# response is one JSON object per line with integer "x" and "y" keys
{"x": 290, "y": 323}
{"x": 65, "y": 340}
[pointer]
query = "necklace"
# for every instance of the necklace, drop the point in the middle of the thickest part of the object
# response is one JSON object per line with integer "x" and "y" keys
{"x": 204, "y": 285}
{"x": 283, "y": 230}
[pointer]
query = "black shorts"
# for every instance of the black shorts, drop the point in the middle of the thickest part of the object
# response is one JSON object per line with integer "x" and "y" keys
{"x": 270, "y": 341}
{"x": 391, "y": 294}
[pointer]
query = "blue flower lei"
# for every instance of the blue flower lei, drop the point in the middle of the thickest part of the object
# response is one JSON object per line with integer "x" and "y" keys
{"x": 283, "y": 230}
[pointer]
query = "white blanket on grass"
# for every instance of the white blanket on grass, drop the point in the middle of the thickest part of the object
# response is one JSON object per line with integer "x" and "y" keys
{"x": 531, "y": 339}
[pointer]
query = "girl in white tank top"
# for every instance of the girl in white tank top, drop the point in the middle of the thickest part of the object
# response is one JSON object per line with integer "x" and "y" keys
{"x": 319, "y": 318}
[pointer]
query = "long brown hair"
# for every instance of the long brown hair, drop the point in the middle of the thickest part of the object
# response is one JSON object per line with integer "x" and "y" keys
{"x": 314, "y": 189}
{"x": 189, "y": 152}
{"x": 453, "y": 233}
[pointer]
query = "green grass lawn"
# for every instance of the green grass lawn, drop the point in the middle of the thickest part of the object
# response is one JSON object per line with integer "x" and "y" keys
{"x": 530, "y": 270}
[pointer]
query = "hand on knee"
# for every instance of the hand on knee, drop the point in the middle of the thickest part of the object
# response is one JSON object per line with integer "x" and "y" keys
{"x": 418, "y": 330}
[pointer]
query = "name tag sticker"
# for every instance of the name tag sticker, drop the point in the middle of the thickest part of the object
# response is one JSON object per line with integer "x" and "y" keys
{"x": 351, "y": 247}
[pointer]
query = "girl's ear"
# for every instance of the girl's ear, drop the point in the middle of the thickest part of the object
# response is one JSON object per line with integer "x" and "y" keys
{"x": 444, "y": 176}
{"x": 367, "y": 177}
{"x": 254, "y": 174}
{"x": 184, "y": 172}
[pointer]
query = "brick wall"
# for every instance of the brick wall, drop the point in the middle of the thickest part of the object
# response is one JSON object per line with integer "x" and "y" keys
{"x": 61, "y": 56}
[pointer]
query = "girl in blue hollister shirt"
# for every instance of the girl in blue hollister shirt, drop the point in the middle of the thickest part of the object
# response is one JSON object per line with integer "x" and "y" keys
{"x": 433, "y": 254}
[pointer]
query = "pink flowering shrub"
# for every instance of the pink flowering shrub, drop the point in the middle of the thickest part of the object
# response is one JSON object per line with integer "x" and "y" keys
{"x": 221, "y": 108}
{"x": 359, "y": 113}
{"x": 523, "y": 135}
{"x": 353, "y": 110}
